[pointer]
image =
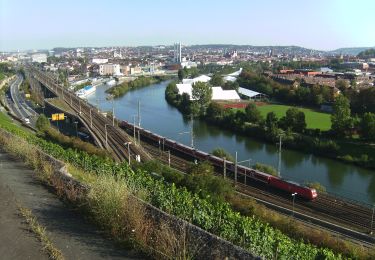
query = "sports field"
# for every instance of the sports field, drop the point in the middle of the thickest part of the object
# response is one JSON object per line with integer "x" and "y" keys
{"x": 314, "y": 119}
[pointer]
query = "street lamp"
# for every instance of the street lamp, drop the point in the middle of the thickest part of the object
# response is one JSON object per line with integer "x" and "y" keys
{"x": 76, "y": 125}
{"x": 128, "y": 144}
{"x": 169, "y": 158}
{"x": 248, "y": 160}
{"x": 294, "y": 196}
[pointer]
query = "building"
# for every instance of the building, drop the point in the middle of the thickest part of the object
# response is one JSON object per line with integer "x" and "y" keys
{"x": 125, "y": 69}
{"x": 202, "y": 78}
{"x": 177, "y": 54}
{"x": 135, "y": 70}
{"x": 109, "y": 69}
{"x": 39, "y": 57}
{"x": 218, "y": 94}
{"x": 99, "y": 61}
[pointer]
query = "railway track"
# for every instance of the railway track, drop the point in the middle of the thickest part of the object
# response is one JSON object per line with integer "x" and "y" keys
{"x": 111, "y": 137}
{"x": 324, "y": 207}
{"x": 338, "y": 212}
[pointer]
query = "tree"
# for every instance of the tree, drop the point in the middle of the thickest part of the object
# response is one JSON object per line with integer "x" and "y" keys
{"x": 217, "y": 80}
{"x": 368, "y": 126}
{"x": 294, "y": 120}
{"x": 201, "y": 94}
{"x": 215, "y": 111}
{"x": 341, "y": 120}
{"x": 42, "y": 123}
{"x": 181, "y": 74}
{"x": 201, "y": 180}
{"x": 253, "y": 115}
{"x": 271, "y": 121}
{"x": 342, "y": 84}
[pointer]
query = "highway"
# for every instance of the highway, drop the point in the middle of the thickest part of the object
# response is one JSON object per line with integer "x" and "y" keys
{"x": 17, "y": 102}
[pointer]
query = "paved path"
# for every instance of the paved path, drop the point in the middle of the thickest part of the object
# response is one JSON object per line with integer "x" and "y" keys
{"x": 69, "y": 231}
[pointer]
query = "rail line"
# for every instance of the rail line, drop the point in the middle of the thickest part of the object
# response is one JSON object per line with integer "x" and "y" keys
{"x": 111, "y": 137}
{"x": 352, "y": 218}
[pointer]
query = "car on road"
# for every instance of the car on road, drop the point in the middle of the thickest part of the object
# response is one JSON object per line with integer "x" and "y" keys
{"x": 27, "y": 120}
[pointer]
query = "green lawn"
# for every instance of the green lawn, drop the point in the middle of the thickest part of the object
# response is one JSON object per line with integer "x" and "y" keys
{"x": 313, "y": 119}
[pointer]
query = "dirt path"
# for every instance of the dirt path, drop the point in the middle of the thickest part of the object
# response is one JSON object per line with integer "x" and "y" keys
{"x": 69, "y": 232}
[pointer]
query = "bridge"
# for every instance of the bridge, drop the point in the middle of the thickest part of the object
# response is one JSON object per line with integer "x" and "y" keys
{"x": 104, "y": 130}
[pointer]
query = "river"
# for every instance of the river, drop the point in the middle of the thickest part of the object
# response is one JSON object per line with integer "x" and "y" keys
{"x": 157, "y": 115}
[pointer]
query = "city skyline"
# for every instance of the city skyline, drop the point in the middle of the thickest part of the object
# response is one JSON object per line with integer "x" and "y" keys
{"x": 318, "y": 25}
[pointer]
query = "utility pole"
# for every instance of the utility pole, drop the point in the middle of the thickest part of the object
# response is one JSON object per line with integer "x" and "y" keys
{"x": 235, "y": 171}
{"x": 113, "y": 113}
{"x": 135, "y": 141}
{"x": 192, "y": 131}
{"x": 225, "y": 168}
{"x": 279, "y": 162}
{"x": 139, "y": 113}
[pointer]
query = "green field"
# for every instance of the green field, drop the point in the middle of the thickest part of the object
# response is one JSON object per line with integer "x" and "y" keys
{"x": 313, "y": 119}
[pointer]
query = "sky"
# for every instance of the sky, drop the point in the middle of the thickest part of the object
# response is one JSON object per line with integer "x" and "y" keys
{"x": 317, "y": 24}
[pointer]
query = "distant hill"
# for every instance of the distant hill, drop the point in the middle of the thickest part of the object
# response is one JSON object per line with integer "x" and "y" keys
{"x": 370, "y": 53}
{"x": 350, "y": 51}
{"x": 291, "y": 50}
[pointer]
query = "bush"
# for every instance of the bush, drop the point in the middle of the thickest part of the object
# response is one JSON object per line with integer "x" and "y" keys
{"x": 221, "y": 153}
{"x": 316, "y": 185}
{"x": 266, "y": 168}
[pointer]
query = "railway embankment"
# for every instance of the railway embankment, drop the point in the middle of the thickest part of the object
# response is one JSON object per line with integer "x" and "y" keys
{"x": 152, "y": 230}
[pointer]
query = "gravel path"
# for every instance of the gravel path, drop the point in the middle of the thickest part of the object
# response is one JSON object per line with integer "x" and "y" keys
{"x": 75, "y": 237}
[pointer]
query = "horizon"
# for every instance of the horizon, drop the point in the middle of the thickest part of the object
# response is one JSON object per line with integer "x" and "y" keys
{"x": 43, "y": 25}
{"x": 183, "y": 45}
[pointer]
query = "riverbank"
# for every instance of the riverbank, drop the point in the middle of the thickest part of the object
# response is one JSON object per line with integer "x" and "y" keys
{"x": 268, "y": 131}
{"x": 142, "y": 81}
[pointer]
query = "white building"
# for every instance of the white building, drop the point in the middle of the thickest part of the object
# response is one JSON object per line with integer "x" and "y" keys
{"x": 99, "y": 61}
{"x": 217, "y": 93}
{"x": 39, "y": 57}
{"x": 109, "y": 69}
{"x": 202, "y": 78}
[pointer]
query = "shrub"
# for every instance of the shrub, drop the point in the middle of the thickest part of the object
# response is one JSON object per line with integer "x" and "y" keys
{"x": 266, "y": 168}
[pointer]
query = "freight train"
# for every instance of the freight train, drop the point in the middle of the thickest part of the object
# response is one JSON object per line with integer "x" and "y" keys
{"x": 270, "y": 180}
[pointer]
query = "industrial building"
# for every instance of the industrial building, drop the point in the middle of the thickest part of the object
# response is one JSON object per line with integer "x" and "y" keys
{"x": 109, "y": 69}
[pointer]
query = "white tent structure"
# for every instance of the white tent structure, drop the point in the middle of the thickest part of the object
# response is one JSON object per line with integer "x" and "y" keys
{"x": 236, "y": 73}
{"x": 202, "y": 78}
{"x": 229, "y": 78}
{"x": 217, "y": 92}
{"x": 250, "y": 93}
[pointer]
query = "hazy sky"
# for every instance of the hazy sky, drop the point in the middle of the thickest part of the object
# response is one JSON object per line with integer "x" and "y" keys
{"x": 319, "y": 24}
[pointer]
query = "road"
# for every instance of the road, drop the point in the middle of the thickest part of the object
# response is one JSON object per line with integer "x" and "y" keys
{"x": 18, "y": 104}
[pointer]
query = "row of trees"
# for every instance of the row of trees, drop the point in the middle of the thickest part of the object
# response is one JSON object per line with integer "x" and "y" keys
{"x": 312, "y": 96}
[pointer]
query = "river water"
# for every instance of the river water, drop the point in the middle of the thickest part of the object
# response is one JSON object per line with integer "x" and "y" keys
{"x": 158, "y": 116}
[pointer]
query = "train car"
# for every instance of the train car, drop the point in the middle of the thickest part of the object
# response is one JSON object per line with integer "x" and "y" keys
{"x": 292, "y": 187}
{"x": 254, "y": 174}
{"x": 185, "y": 149}
{"x": 201, "y": 155}
{"x": 169, "y": 143}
